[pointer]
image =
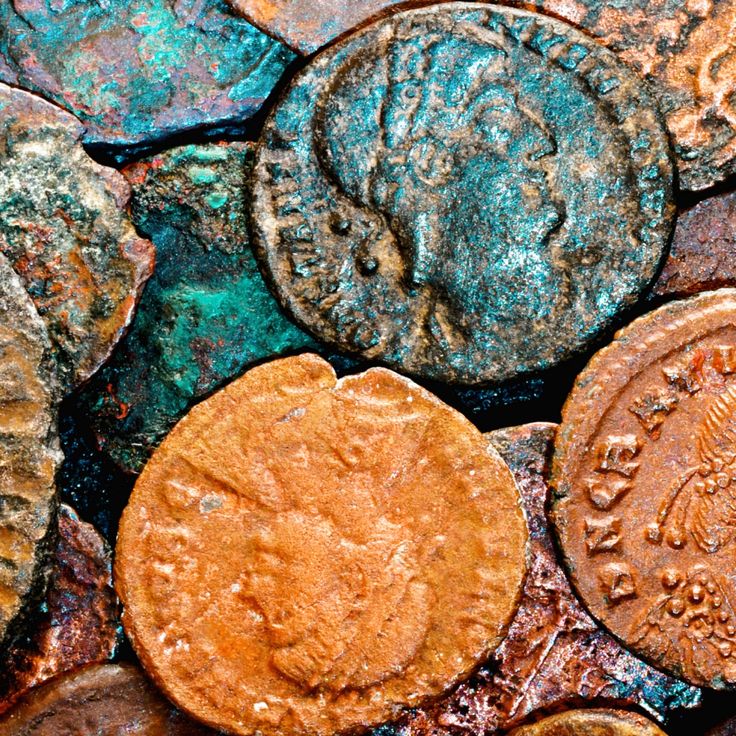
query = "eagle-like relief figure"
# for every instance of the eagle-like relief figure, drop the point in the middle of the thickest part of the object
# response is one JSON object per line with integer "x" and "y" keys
{"x": 708, "y": 513}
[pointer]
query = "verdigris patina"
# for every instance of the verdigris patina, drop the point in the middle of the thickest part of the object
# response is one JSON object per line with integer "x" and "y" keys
{"x": 464, "y": 192}
{"x": 138, "y": 71}
{"x": 206, "y": 313}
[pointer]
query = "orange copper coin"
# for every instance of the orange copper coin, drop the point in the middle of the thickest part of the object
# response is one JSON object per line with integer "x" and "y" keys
{"x": 645, "y": 487}
{"x": 597, "y": 722}
{"x": 304, "y": 555}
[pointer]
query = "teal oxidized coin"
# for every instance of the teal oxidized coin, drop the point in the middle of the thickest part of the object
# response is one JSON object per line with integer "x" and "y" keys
{"x": 205, "y": 314}
{"x": 463, "y": 192}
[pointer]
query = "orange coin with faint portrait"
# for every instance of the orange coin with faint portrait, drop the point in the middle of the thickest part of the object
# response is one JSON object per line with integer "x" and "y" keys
{"x": 311, "y": 555}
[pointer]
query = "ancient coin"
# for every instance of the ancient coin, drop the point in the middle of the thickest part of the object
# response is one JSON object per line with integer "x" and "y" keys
{"x": 136, "y": 72}
{"x": 554, "y": 654}
{"x": 290, "y": 522}
{"x": 64, "y": 228}
{"x": 703, "y": 251}
{"x": 591, "y": 723}
{"x": 422, "y": 196}
{"x": 77, "y": 622}
{"x": 29, "y": 452}
{"x": 644, "y": 487}
{"x": 206, "y": 313}
{"x": 686, "y": 51}
{"x": 109, "y": 699}
{"x": 307, "y": 26}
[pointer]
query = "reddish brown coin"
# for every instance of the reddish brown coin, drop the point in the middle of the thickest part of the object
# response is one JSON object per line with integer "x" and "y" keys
{"x": 109, "y": 699}
{"x": 77, "y": 623}
{"x": 645, "y": 487}
{"x": 591, "y": 723}
{"x": 703, "y": 251}
{"x": 291, "y": 522}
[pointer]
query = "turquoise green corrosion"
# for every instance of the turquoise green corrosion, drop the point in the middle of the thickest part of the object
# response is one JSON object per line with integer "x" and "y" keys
{"x": 135, "y": 71}
{"x": 205, "y": 315}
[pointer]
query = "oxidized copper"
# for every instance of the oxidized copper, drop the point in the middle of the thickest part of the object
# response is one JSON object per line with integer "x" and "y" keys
{"x": 591, "y": 723}
{"x": 64, "y": 228}
{"x": 290, "y": 523}
{"x": 29, "y": 451}
{"x": 422, "y": 197}
{"x": 703, "y": 251}
{"x": 644, "y": 476}
{"x": 554, "y": 655}
{"x": 109, "y": 699}
{"x": 77, "y": 623}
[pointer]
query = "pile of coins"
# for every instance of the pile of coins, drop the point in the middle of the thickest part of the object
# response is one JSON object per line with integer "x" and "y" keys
{"x": 368, "y": 368}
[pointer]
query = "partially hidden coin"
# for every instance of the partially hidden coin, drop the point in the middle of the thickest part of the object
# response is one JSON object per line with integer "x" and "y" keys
{"x": 76, "y": 624}
{"x": 554, "y": 655}
{"x": 702, "y": 256}
{"x": 289, "y": 523}
{"x": 206, "y": 313}
{"x": 422, "y": 196}
{"x": 591, "y": 723}
{"x": 29, "y": 451}
{"x": 109, "y": 699}
{"x": 64, "y": 228}
{"x": 644, "y": 475}
{"x": 135, "y": 73}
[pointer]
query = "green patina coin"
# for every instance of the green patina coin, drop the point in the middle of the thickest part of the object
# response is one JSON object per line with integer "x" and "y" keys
{"x": 205, "y": 314}
{"x": 137, "y": 71}
{"x": 464, "y": 192}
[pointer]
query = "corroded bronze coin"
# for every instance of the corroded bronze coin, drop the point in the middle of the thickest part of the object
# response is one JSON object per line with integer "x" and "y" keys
{"x": 645, "y": 487}
{"x": 29, "y": 451}
{"x": 64, "y": 228}
{"x": 77, "y": 622}
{"x": 109, "y": 699}
{"x": 422, "y": 196}
{"x": 554, "y": 655}
{"x": 303, "y": 555}
{"x": 591, "y": 723}
{"x": 703, "y": 251}
{"x": 205, "y": 315}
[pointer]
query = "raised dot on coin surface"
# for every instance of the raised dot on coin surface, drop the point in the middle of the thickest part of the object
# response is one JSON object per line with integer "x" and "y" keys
{"x": 29, "y": 450}
{"x": 303, "y": 555}
{"x": 507, "y": 181}
{"x": 64, "y": 228}
{"x": 646, "y": 529}
{"x": 109, "y": 699}
{"x": 596, "y": 722}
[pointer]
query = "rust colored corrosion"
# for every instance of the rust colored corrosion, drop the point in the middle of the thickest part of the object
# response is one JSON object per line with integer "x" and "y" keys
{"x": 77, "y": 624}
{"x": 290, "y": 522}
{"x": 597, "y": 722}
{"x": 554, "y": 656}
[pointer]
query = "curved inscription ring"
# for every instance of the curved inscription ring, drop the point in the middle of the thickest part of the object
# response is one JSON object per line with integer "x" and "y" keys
{"x": 645, "y": 482}
{"x": 463, "y": 192}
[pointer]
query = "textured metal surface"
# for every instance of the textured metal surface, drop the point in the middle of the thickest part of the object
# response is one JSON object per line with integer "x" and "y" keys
{"x": 554, "y": 655}
{"x": 29, "y": 450}
{"x": 206, "y": 314}
{"x": 76, "y": 624}
{"x": 463, "y": 193}
{"x": 644, "y": 475}
{"x": 134, "y": 72}
{"x": 289, "y": 523}
{"x": 591, "y": 723}
{"x": 64, "y": 228}
{"x": 703, "y": 251}
{"x": 109, "y": 699}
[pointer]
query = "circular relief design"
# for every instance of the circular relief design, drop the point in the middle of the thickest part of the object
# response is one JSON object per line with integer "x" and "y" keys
{"x": 463, "y": 192}
{"x": 645, "y": 487}
{"x": 307, "y": 556}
